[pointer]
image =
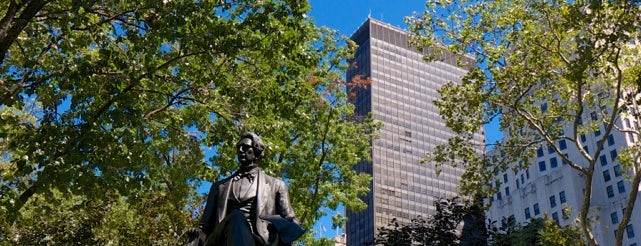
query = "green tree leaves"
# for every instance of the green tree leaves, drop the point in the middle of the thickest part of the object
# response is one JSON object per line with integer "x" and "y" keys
{"x": 551, "y": 71}
{"x": 135, "y": 104}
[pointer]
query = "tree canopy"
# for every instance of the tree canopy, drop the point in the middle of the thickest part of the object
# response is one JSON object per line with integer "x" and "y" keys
{"x": 115, "y": 112}
{"x": 550, "y": 71}
{"x": 441, "y": 228}
{"x": 538, "y": 231}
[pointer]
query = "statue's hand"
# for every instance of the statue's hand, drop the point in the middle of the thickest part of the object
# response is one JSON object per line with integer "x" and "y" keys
{"x": 196, "y": 234}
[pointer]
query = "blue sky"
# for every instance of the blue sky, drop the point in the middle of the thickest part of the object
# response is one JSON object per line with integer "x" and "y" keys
{"x": 347, "y": 15}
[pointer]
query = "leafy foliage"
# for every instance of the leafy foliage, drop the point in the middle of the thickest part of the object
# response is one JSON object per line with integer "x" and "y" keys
{"x": 539, "y": 231}
{"x": 442, "y": 228}
{"x": 118, "y": 110}
{"x": 550, "y": 71}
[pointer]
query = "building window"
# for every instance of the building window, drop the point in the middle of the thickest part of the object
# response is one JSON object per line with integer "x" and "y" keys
{"x": 610, "y": 191}
{"x": 499, "y": 196}
{"x": 604, "y": 160}
{"x": 553, "y": 162}
{"x": 562, "y": 145}
{"x": 539, "y": 152}
{"x": 552, "y": 201}
{"x": 550, "y": 150}
{"x": 614, "y": 217}
{"x": 537, "y": 210}
{"x": 610, "y": 140}
{"x": 630, "y": 230}
{"x": 587, "y": 150}
{"x": 507, "y": 191}
{"x": 522, "y": 179}
{"x": 621, "y": 187}
{"x": 562, "y": 197}
{"x": 518, "y": 186}
{"x": 606, "y": 175}
{"x": 527, "y": 173}
{"x": 505, "y": 178}
{"x": 542, "y": 166}
{"x": 613, "y": 154}
{"x": 555, "y": 217}
{"x": 583, "y": 138}
{"x": 597, "y": 132}
{"x": 527, "y": 214}
{"x": 593, "y": 116}
{"x": 544, "y": 108}
{"x": 617, "y": 170}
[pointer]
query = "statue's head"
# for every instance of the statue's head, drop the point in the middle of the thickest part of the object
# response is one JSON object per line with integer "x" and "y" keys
{"x": 250, "y": 149}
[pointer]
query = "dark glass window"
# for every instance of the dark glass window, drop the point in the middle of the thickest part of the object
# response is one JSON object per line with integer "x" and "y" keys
{"x": 539, "y": 152}
{"x": 552, "y": 201}
{"x": 617, "y": 170}
{"x": 537, "y": 210}
{"x": 562, "y": 145}
{"x": 553, "y": 162}
{"x": 610, "y": 191}
{"x": 566, "y": 213}
{"x": 522, "y": 179}
{"x": 630, "y": 230}
{"x": 606, "y": 175}
{"x": 550, "y": 150}
{"x": 583, "y": 138}
{"x": 621, "y": 186}
{"x": 562, "y": 197}
{"x": 610, "y": 140}
{"x": 614, "y": 217}
{"x": 507, "y": 191}
{"x": 555, "y": 217}
{"x": 527, "y": 213}
{"x": 542, "y": 166}
{"x": 505, "y": 178}
{"x": 613, "y": 154}
{"x": 604, "y": 160}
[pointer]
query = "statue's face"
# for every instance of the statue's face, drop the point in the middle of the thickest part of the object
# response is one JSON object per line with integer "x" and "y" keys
{"x": 246, "y": 154}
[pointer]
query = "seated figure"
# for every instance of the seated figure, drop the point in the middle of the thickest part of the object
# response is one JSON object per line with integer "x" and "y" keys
{"x": 249, "y": 207}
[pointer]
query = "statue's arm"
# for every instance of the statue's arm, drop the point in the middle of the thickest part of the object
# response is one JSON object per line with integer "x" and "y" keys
{"x": 284, "y": 207}
{"x": 209, "y": 214}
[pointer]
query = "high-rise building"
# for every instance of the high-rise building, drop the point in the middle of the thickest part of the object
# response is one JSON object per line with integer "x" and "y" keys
{"x": 401, "y": 96}
{"x": 549, "y": 187}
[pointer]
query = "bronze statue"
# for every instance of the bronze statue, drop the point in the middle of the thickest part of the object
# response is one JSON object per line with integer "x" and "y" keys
{"x": 249, "y": 207}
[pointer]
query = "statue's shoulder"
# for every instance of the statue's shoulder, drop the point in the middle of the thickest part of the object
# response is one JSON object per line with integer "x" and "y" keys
{"x": 270, "y": 178}
{"x": 222, "y": 181}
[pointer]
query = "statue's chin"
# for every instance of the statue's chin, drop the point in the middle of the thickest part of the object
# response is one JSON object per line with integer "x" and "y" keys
{"x": 246, "y": 164}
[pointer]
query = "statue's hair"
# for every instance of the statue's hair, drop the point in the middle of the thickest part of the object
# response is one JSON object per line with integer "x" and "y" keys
{"x": 257, "y": 144}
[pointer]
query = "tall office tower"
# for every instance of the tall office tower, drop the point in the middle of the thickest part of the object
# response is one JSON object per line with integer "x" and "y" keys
{"x": 403, "y": 88}
{"x": 550, "y": 187}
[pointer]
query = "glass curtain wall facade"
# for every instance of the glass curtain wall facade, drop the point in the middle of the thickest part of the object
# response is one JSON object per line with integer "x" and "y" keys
{"x": 401, "y": 95}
